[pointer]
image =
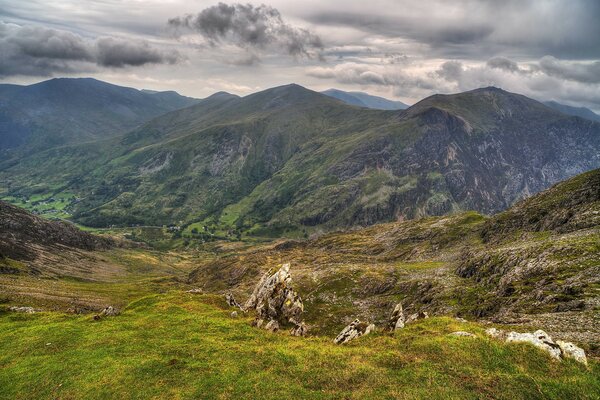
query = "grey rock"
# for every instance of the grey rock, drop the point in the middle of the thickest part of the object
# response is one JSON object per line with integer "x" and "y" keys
{"x": 569, "y": 350}
{"x": 231, "y": 301}
{"x": 396, "y": 320}
{"x": 273, "y": 299}
{"x": 272, "y": 326}
{"x": 539, "y": 339}
{"x": 27, "y": 310}
{"x": 354, "y": 330}
{"x": 234, "y": 314}
{"x": 109, "y": 311}
{"x": 195, "y": 291}
{"x": 416, "y": 316}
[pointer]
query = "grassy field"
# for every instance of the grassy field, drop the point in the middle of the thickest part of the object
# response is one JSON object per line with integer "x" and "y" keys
{"x": 182, "y": 346}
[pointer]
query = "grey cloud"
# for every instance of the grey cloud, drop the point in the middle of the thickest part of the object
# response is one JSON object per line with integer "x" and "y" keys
{"x": 39, "y": 51}
{"x": 573, "y": 71}
{"x": 251, "y": 28}
{"x": 450, "y": 70}
{"x": 113, "y": 52}
{"x": 503, "y": 63}
{"x": 476, "y": 29}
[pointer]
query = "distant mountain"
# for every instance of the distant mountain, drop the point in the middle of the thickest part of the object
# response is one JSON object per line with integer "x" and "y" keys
{"x": 65, "y": 111}
{"x": 576, "y": 111}
{"x": 291, "y": 161}
{"x": 361, "y": 99}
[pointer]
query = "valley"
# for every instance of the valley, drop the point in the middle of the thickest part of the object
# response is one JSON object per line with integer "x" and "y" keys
{"x": 125, "y": 256}
{"x": 467, "y": 271}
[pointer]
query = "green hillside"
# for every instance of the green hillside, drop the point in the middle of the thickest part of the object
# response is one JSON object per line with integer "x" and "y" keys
{"x": 294, "y": 162}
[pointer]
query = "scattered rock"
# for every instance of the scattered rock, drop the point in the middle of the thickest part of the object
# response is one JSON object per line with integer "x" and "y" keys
{"x": 299, "y": 330}
{"x": 195, "y": 291}
{"x": 569, "y": 350}
{"x": 274, "y": 300}
{"x": 459, "y": 319}
{"x": 27, "y": 310}
{"x": 396, "y": 320}
{"x": 231, "y": 301}
{"x": 462, "y": 333}
{"x": 272, "y": 326}
{"x": 109, "y": 311}
{"x": 352, "y": 331}
{"x": 539, "y": 339}
{"x": 416, "y": 316}
{"x": 234, "y": 314}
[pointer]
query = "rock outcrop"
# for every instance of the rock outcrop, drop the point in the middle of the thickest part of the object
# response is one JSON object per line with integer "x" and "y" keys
{"x": 354, "y": 330}
{"x": 416, "y": 316}
{"x": 540, "y": 339}
{"x": 396, "y": 320}
{"x": 569, "y": 350}
{"x": 231, "y": 301}
{"x": 109, "y": 311}
{"x": 276, "y": 303}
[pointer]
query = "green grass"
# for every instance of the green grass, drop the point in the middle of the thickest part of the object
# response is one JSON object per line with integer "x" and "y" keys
{"x": 180, "y": 346}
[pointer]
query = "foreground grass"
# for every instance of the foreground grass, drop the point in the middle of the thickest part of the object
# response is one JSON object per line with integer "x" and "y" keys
{"x": 180, "y": 346}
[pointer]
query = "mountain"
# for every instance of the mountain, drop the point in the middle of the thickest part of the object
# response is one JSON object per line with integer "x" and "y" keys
{"x": 65, "y": 111}
{"x": 576, "y": 111}
{"x": 291, "y": 161}
{"x": 361, "y": 99}
{"x": 42, "y": 244}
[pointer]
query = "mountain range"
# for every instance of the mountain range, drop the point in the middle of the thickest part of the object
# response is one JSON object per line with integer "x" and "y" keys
{"x": 66, "y": 111}
{"x": 292, "y": 161}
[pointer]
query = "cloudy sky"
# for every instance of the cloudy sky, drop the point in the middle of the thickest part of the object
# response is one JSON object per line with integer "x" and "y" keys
{"x": 401, "y": 49}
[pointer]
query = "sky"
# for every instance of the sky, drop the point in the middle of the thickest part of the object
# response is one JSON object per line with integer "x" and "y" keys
{"x": 399, "y": 49}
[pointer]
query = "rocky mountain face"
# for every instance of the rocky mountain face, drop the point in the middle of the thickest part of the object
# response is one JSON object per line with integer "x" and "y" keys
{"x": 291, "y": 161}
{"x": 65, "y": 111}
{"x": 25, "y": 237}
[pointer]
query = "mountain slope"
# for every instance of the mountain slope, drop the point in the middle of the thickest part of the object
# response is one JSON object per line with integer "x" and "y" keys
{"x": 63, "y": 111}
{"x": 289, "y": 159}
{"x": 41, "y": 245}
{"x": 361, "y": 99}
{"x": 545, "y": 276}
{"x": 575, "y": 111}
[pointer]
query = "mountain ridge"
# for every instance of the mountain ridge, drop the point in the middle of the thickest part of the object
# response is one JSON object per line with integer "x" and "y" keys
{"x": 291, "y": 159}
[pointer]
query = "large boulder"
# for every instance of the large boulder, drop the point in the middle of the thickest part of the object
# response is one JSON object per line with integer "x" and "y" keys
{"x": 539, "y": 339}
{"x": 396, "y": 320}
{"x": 569, "y": 350}
{"x": 276, "y": 303}
{"x": 352, "y": 331}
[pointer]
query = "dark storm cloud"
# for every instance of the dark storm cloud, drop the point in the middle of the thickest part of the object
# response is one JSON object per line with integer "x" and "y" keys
{"x": 39, "y": 51}
{"x": 120, "y": 53}
{"x": 251, "y": 28}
